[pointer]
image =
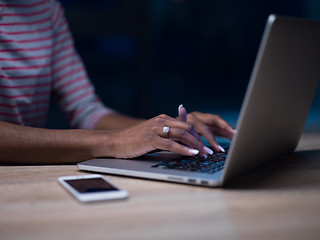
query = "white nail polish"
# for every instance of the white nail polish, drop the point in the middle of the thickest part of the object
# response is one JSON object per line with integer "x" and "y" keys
{"x": 180, "y": 106}
{"x": 221, "y": 148}
{"x": 193, "y": 151}
{"x": 208, "y": 150}
{"x": 205, "y": 156}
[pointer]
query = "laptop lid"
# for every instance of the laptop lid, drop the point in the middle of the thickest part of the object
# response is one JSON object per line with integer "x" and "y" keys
{"x": 276, "y": 105}
{"x": 279, "y": 96}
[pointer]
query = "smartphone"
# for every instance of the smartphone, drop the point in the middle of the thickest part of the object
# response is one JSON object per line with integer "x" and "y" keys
{"x": 90, "y": 188}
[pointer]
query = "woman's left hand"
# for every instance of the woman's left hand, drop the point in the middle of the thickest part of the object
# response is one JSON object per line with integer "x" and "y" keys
{"x": 207, "y": 125}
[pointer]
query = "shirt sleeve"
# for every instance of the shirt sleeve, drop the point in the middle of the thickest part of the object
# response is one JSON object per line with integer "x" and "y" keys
{"x": 71, "y": 86}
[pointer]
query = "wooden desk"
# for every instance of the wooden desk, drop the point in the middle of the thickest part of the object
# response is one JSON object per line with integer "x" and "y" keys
{"x": 283, "y": 204}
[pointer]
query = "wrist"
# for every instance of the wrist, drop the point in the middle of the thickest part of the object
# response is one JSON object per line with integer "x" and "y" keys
{"x": 102, "y": 143}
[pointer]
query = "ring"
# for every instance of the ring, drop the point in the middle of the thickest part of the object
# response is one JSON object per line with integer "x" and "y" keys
{"x": 166, "y": 130}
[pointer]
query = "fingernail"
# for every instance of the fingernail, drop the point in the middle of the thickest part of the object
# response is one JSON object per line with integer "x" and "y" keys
{"x": 208, "y": 150}
{"x": 235, "y": 131}
{"x": 221, "y": 148}
{"x": 180, "y": 106}
{"x": 205, "y": 156}
{"x": 193, "y": 151}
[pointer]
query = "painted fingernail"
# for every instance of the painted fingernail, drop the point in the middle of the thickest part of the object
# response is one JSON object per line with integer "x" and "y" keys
{"x": 193, "y": 151}
{"x": 180, "y": 106}
{"x": 208, "y": 150}
{"x": 205, "y": 156}
{"x": 221, "y": 148}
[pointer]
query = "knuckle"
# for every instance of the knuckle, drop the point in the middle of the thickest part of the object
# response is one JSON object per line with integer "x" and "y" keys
{"x": 221, "y": 126}
{"x": 192, "y": 116}
{"x": 150, "y": 138}
{"x": 162, "y": 116}
{"x": 168, "y": 144}
{"x": 159, "y": 120}
{"x": 181, "y": 132}
{"x": 206, "y": 129}
{"x": 189, "y": 127}
{"x": 153, "y": 128}
{"x": 225, "y": 128}
{"x": 199, "y": 145}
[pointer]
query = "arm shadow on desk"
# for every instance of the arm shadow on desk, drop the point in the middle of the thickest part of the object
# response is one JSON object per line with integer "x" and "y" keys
{"x": 298, "y": 170}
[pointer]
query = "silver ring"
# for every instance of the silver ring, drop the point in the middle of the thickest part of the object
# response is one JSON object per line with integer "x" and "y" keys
{"x": 166, "y": 130}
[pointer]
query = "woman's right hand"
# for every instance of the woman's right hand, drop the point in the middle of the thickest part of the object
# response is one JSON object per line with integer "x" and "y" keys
{"x": 149, "y": 135}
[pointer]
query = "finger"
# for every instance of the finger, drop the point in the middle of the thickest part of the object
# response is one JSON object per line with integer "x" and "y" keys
{"x": 174, "y": 123}
{"x": 182, "y": 113}
{"x": 172, "y": 146}
{"x": 206, "y": 132}
{"x": 222, "y": 128}
{"x": 183, "y": 136}
{"x": 213, "y": 142}
{"x": 218, "y": 125}
{"x": 165, "y": 120}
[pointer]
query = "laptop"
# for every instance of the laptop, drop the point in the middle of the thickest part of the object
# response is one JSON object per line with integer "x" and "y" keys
{"x": 276, "y": 105}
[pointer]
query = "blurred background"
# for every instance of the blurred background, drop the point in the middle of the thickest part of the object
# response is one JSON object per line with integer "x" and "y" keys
{"x": 145, "y": 57}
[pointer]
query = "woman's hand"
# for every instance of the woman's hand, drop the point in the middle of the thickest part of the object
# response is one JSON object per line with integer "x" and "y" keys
{"x": 150, "y": 135}
{"x": 207, "y": 125}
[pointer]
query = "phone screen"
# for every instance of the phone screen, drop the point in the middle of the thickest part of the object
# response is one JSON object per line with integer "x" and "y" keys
{"x": 91, "y": 185}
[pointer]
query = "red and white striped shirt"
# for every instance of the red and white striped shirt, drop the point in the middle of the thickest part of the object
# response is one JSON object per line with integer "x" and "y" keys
{"x": 38, "y": 61}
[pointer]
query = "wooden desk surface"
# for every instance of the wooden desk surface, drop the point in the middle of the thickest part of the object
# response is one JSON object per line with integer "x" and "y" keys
{"x": 283, "y": 203}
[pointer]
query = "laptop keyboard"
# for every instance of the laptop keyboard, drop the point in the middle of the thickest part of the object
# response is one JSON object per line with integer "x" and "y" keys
{"x": 209, "y": 165}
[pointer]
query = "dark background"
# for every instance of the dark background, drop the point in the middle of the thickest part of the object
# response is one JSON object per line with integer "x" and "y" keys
{"x": 145, "y": 57}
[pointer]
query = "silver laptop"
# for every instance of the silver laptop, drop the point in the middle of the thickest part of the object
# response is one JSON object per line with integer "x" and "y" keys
{"x": 280, "y": 93}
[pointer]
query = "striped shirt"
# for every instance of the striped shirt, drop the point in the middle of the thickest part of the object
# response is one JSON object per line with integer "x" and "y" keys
{"x": 38, "y": 61}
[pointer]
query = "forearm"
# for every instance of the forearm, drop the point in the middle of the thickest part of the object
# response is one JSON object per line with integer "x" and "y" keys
{"x": 27, "y": 145}
{"x": 117, "y": 121}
